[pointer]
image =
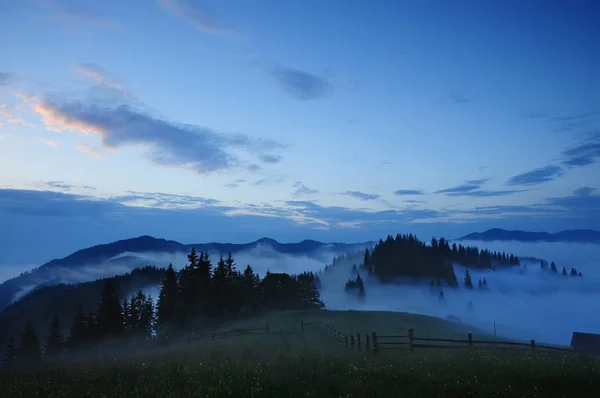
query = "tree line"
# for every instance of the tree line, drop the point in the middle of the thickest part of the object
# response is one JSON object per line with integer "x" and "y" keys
{"x": 194, "y": 294}
{"x": 544, "y": 265}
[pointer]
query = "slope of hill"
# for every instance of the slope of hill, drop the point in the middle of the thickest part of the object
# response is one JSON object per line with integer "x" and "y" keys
{"x": 574, "y": 235}
{"x": 40, "y": 305}
{"x": 119, "y": 257}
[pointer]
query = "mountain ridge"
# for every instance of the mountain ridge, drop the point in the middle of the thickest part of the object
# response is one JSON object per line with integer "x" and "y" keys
{"x": 121, "y": 254}
{"x": 569, "y": 235}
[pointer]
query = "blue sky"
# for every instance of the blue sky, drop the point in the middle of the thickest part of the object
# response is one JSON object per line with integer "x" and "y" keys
{"x": 337, "y": 120}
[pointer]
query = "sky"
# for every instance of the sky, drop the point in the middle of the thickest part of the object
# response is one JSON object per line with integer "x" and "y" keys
{"x": 339, "y": 121}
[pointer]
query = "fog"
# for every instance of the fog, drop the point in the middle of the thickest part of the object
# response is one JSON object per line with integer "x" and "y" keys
{"x": 524, "y": 302}
{"x": 261, "y": 258}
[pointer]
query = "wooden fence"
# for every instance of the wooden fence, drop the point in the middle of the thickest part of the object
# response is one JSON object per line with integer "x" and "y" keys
{"x": 374, "y": 343}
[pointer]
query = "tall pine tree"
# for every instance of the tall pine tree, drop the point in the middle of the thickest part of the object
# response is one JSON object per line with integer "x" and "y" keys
{"x": 55, "y": 342}
{"x": 29, "y": 351}
{"x": 167, "y": 307}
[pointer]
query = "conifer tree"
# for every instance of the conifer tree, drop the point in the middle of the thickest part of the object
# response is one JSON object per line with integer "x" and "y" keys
{"x": 29, "y": 352}
{"x": 78, "y": 334}
{"x": 55, "y": 342}
{"x": 468, "y": 282}
{"x": 10, "y": 356}
{"x": 553, "y": 267}
{"x": 564, "y": 271}
{"x": 109, "y": 320}
{"x": 168, "y": 302}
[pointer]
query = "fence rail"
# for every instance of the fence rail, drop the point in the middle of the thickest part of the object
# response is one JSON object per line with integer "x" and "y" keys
{"x": 374, "y": 342}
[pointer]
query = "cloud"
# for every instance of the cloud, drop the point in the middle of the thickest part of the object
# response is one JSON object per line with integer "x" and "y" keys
{"x": 200, "y": 17}
{"x": 76, "y": 12}
{"x": 472, "y": 188}
{"x": 361, "y": 195}
{"x": 91, "y": 150}
{"x": 119, "y": 123}
{"x": 161, "y": 200}
{"x": 408, "y": 192}
{"x": 302, "y": 190}
{"x": 583, "y": 191}
{"x": 53, "y": 144}
{"x": 235, "y": 183}
{"x": 66, "y": 187}
{"x": 537, "y": 176}
{"x": 270, "y": 158}
{"x": 6, "y": 79}
{"x": 584, "y": 154}
{"x": 454, "y": 97}
{"x": 97, "y": 74}
{"x": 302, "y": 85}
{"x": 7, "y": 116}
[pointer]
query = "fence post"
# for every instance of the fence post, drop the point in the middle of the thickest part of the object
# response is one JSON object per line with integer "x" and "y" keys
{"x": 358, "y": 340}
{"x": 302, "y": 325}
{"x": 367, "y": 342}
{"x": 470, "y": 339}
{"x": 533, "y": 345}
{"x": 374, "y": 342}
{"x": 410, "y": 340}
{"x": 346, "y": 340}
{"x": 352, "y": 341}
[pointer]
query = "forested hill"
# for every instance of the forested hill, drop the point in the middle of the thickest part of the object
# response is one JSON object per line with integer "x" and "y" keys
{"x": 38, "y": 306}
{"x": 407, "y": 256}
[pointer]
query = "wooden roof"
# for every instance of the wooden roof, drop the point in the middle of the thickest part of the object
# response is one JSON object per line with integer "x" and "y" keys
{"x": 586, "y": 342}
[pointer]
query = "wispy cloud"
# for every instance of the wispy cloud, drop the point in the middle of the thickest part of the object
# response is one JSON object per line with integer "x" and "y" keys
{"x": 472, "y": 188}
{"x": 53, "y": 144}
{"x": 536, "y": 176}
{"x": 161, "y": 200}
{"x": 302, "y": 85}
{"x": 302, "y": 190}
{"x": 583, "y": 191}
{"x": 454, "y": 97}
{"x": 235, "y": 183}
{"x": 7, "y": 116}
{"x": 408, "y": 192}
{"x": 584, "y": 154}
{"x": 6, "y": 79}
{"x": 77, "y": 12}
{"x": 199, "y": 16}
{"x": 117, "y": 121}
{"x": 96, "y": 73}
{"x": 91, "y": 150}
{"x": 361, "y": 195}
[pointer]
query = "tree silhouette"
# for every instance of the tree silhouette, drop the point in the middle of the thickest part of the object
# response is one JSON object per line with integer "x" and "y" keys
{"x": 55, "y": 342}
{"x": 10, "y": 356}
{"x": 553, "y": 267}
{"x": 29, "y": 352}
{"x": 167, "y": 306}
{"x": 468, "y": 281}
{"x": 109, "y": 315}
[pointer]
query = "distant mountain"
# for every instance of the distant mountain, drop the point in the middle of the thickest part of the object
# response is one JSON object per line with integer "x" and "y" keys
{"x": 120, "y": 257}
{"x": 572, "y": 235}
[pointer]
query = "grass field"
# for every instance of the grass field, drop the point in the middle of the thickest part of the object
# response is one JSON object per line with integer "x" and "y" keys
{"x": 286, "y": 362}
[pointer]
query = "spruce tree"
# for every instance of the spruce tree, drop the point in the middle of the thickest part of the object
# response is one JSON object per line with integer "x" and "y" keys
{"x": 29, "y": 352}
{"x": 468, "y": 282}
{"x": 10, "y": 356}
{"x": 78, "y": 334}
{"x": 564, "y": 271}
{"x": 167, "y": 306}
{"x": 109, "y": 321}
{"x": 55, "y": 342}
{"x": 553, "y": 267}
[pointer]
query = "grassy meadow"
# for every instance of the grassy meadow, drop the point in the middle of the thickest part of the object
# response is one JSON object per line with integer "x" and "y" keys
{"x": 288, "y": 363}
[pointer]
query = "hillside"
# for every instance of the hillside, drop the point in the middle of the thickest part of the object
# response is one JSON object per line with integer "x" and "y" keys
{"x": 120, "y": 255}
{"x": 574, "y": 235}
{"x": 40, "y": 305}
